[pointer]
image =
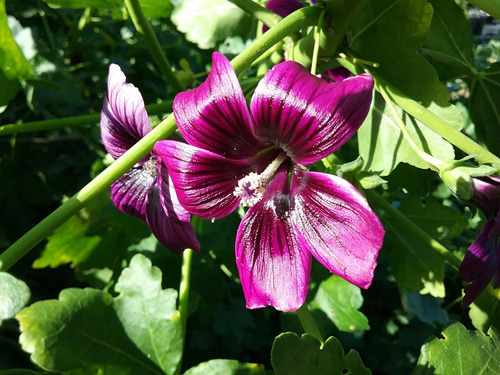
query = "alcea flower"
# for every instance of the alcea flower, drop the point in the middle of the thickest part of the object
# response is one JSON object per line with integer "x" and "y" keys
{"x": 145, "y": 191}
{"x": 257, "y": 158}
{"x": 481, "y": 263}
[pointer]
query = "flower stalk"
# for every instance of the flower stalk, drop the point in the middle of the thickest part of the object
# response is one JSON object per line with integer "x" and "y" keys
{"x": 144, "y": 28}
{"x": 309, "y": 324}
{"x": 300, "y": 19}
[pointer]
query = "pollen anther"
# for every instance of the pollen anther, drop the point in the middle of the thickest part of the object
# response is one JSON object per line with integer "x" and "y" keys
{"x": 250, "y": 189}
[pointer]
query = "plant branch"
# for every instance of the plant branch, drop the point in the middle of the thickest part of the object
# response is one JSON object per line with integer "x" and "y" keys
{"x": 144, "y": 28}
{"x": 308, "y": 323}
{"x": 257, "y": 11}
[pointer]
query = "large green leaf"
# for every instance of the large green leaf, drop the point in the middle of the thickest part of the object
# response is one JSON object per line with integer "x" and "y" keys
{"x": 340, "y": 301}
{"x": 485, "y": 311}
{"x": 383, "y": 146}
{"x": 13, "y": 64}
{"x": 460, "y": 352}
{"x": 484, "y": 106}
{"x": 148, "y": 313}
{"x": 225, "y": 367}
{"x": 208, "y": 22}
{"x": 14, "y": 294}
{"x": 294, "y": 355}
{"x": 391, "y": 32}
{"x": 450, "y": 41}
{"x": 86, "y": 329}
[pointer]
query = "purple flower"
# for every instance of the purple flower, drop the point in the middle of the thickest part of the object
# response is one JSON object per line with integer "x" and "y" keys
{"x": 145, "y": 191}
{"x": 482, "y": 260}
{"x": 257, "y": 158}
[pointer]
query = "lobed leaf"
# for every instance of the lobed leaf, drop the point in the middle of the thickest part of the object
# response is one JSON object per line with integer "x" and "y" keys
{"x": 226, "y": 367}
{"x": 14, "y": 295}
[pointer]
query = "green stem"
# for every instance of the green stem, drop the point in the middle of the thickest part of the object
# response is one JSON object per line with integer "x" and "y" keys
{"x": 308, "y": 323}
{"x": 144, "y": 28}
{"x": 429, "y": 119}
{"x": 411, "y": 227}
{"x": 70, "y": 122}
{"x": 258, "y": 12}
{"x": 187, "y": 257}
{"x": 317, "y": 35}
{"x": 296, "y": 21}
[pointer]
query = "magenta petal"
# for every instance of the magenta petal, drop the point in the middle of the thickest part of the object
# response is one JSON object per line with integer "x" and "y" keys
{"x": 306, "y": 116}
{"x": 282, "y": 8}
{"x": 130, "y": 192}
{"x": 124, "y": 119}
{"x": 480, "y": 263}
{"x": 274, "y": 267}
{"x": 214, "y": 116}
{"x": 334, "y": 219}
{"x": 171, "y": 232}
{"x": 204, "y": 181}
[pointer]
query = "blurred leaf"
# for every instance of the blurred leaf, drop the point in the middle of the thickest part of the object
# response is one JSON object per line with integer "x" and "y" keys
{"x": 28, "y": 372}
{"x": 14, "y": 294}
{"x": 149, "y": 314}
{"x": 86, "y": 329}
{"x": 415, "y": 181}
{"x": 208, "y": 22}
{"x": 80, "y": 4}
{"x": 9, "y": 89}
{"x": 460, "y": 352}
{"x": 484, "y": 106}
{"x": 156, "y": 8}
{"x": 426, "y": 307}
{"x": 340, "y": 301}
{"x": 12, "y": 61}
{"x": 450, "y": 41}
{"x": 226, "y": 367}
{"x": 391, "y": 32}
{"x": 485, "y": 311}
{"x": 383, "y": 146}
{"x": 294, "y": 355}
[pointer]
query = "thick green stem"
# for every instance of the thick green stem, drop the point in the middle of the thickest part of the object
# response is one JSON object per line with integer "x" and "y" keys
{"x": 71, "y": 122}
{"x": 184, "y": 286}
{"x": 411, "y": 227}
{"x": 308, "y": 323}
{"x": 429, "y": 119}
{"x": 144, "y": 28}
{"x": 258, "y": 12}
{"x": 300, "y": 19}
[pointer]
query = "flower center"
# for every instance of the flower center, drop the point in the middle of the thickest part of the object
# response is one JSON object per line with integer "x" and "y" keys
{"x": 151, "y": 166}
{"x": 252, "y": 187}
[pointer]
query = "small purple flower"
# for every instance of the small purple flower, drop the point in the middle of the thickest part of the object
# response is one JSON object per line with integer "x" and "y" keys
{"x": 145, "y": 191}
{"x": 482, "y": 260}
{"x": 257, "y": 158}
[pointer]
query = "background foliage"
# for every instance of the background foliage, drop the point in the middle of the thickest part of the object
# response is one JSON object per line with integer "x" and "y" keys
{"x": 100, "y": 294}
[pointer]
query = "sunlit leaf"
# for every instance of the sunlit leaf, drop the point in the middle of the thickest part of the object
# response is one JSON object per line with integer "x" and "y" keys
{"x": 390, "y": 32}
{"x": 294, "y": 355}
{"x": 460, "y": 351}
{"x": 226, "y": 367}
{"x": 80, "y": 4}
{"x": 12, "y": 61}
{"x": 208, "y": 22}
{"x": 485, "y": 311}
{"x": 87, "y": 329}
{"x": 340, "y": 301}
{"x": 148, "y": 313}
{"x": 14, "y": 294}
{"x": 383, "y": 146}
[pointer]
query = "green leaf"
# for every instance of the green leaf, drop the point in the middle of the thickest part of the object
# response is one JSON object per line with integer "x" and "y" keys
{"x": 87, "y": 330}
{"x": 225, "y": 367}
{"x": 294, "y": 355}
{"x": 9, "y": 89}
{"x": 383, "y": 146}
{"x": 485, "y": 311}
{"x": 80, "y": 4}
{"x": 14, "y": 294}
{"x": 208, "y": 22}
{"x": 149, "y": 314}
{"x": 416, "y": 266}
{"x": 460, "y": 352}
{"x": 13, "y": 64}
{"x": 391, "y": 32}
{"x": 426, "y": 307}
{"x": 450, "y": 41}
{"x": 484, "y": 106}
{"x": 156, "y": 8}
{"x": 28, "y": 372}
{"x": 340, "y": 301}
